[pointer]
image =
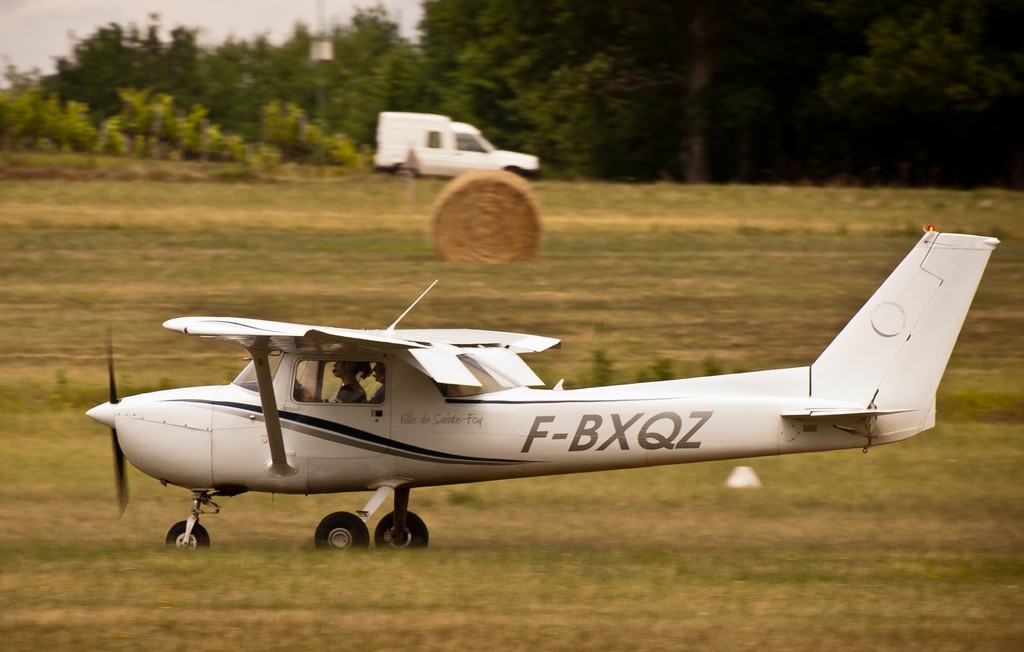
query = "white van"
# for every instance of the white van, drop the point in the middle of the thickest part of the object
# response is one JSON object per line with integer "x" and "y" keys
{"x": 425, "y": 143}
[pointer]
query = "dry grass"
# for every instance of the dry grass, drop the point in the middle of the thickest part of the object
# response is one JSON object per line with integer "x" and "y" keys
{"x": 914, "y": 546}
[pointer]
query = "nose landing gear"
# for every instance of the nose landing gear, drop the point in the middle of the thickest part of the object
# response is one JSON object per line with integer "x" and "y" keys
{"x": 189, "y": 534}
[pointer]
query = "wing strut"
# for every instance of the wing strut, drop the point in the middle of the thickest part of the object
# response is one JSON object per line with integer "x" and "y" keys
{"x": 278, "y": 465}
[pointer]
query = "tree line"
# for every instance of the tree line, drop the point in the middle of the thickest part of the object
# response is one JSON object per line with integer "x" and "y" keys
{"x": 917, "y": 92}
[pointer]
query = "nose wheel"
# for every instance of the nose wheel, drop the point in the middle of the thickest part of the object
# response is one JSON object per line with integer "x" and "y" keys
{"x": 189, "y": 534}
{"x": 198, "y": 538}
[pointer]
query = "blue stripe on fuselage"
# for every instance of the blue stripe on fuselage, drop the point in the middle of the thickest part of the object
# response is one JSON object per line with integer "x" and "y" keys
{"x": 368, "y": 439}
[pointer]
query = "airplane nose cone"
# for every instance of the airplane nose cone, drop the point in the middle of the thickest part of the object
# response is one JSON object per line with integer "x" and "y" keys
{"x": 103, "y": 413}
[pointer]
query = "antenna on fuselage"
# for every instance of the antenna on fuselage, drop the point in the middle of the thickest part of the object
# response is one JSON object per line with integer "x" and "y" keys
{"x": 411, "y": 306}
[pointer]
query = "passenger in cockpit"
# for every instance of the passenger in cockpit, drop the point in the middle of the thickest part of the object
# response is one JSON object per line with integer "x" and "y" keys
{"x": 379, "y": 374}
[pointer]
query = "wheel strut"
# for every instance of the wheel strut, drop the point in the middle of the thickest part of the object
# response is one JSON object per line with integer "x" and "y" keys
{"x": 199, "y": 499}
{"x": 401, "y": 510}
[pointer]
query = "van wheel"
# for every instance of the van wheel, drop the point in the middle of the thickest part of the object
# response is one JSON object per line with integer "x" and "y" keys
{"x": 402, "y": 171}
{"x": 514, "y": 170}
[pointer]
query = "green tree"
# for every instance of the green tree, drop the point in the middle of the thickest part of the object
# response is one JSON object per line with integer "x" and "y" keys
{"x": 116, "y": 57}
{"x": 241, "y": 77}
{"x": 97, "y": 67}
{"x": 111, "y": 139}
{"x": 593, "y": 88}
{"x": 925, "y": 57}
{"x": 192, "y": 131}
{"x": 23, "y": 118}
{"x": 77, "y": 133}
{"x": 180, "y": 67}
{"x": 136, "y": 112}
{"x": 27, "y": 120}
{"x": 374, "y": 69}
{"x": 942, "y": 82}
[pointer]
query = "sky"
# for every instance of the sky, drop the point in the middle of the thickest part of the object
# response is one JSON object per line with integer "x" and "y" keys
{"x": 34, "y": 32}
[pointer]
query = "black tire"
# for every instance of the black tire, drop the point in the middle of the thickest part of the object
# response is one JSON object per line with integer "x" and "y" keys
{"x": 526, "y": 174}
{"x": 175, "y": 536}
{"x": 416, "y": 533}
{"x": 341, "y": 530}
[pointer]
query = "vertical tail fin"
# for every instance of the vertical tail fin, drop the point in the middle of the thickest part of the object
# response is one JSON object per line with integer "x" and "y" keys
{"x": 894, "y": 351}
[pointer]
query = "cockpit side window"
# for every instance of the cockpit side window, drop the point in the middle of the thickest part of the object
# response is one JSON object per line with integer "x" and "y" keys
{"x": 345, "y": 381}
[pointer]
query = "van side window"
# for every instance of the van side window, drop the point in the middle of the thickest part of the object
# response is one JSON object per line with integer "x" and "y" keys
{"x": 467, "y": 143}
{"x": 434, "y": 139}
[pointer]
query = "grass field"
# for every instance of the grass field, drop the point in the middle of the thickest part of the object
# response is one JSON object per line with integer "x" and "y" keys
{"x": 914, "y": 546}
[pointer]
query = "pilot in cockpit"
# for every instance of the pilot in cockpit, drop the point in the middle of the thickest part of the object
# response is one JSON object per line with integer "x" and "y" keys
{"x": 349, "y": 373}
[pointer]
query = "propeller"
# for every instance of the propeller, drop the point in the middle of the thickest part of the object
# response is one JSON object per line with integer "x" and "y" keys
{"x": 121, "y": 477}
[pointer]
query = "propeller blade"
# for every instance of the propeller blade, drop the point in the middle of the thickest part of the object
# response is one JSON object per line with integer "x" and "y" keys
{"x": 120, "y": 472}
{"x": 110, "y": 366}
{"x": 121, "y": 476}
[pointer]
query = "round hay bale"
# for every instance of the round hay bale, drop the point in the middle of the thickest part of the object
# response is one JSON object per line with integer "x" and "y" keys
{"x": 486, "y": 216}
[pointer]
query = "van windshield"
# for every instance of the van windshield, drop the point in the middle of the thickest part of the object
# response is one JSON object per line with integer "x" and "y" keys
{"x": 472, "y": 143}
{"x": 486, "y": 143}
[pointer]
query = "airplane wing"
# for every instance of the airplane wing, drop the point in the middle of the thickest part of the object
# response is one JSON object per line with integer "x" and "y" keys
{"x": 436, "y": 352}
{"x": 515, "y": 342}
{"x": 286, "y": 336}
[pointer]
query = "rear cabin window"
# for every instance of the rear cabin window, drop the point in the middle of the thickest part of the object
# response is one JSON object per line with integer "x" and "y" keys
{"x": 434, "y": 139}
{"x": 491, "y": 380}
{"x": 340, "y": 381}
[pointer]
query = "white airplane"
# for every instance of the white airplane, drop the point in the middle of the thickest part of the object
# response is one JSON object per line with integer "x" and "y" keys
{"x": 324, "y": 410}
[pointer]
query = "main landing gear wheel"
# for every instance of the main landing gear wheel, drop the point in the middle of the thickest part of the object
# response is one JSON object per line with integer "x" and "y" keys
{"x": 341, "y": 530}
{"x": 414, "y": 536}
{"x": 198, "y": 539}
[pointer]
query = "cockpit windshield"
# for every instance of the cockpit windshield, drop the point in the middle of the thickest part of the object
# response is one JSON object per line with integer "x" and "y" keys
{"x": 247, "y": 379}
